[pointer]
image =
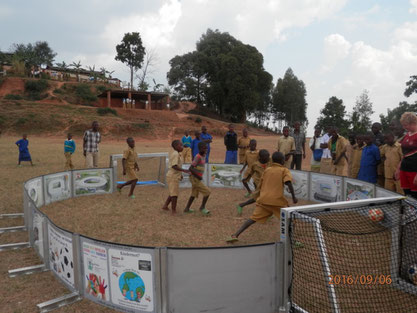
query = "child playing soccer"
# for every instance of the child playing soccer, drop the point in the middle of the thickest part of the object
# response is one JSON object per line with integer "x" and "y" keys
{"x": 24, "y": 154}
{"x": 255, "y": 172}
{"x": 271, "y": 194}
{"x": 286, "y": 145}
{"x": 186, "y": 142}
{"x": 369, "y": 161}
{"x": 391, "y": 155}
{"x": 130, "y": 165}
{"x": 174, "y": 176}
{"x": 196, "y": 177}
{"x": 251, "y": 156}
{"x": 69, "y": 149}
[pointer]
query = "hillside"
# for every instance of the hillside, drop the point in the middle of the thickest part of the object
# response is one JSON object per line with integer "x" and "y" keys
{"x": 54, "y": 116}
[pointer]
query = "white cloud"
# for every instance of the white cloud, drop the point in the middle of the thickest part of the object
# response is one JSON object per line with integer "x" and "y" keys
{"x": 413, "y": 8}
{"x": 336, "y": 48}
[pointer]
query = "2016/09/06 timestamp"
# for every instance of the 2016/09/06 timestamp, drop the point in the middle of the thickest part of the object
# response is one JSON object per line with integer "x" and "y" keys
{"x": 360, "y": 279}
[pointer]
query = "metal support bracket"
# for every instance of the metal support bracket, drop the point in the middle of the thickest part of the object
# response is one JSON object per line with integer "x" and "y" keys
{"x": 58, "y": 302}
{"x": 12, "y": 229}
{"x": 27, "y": 270}
{"x": 13, "y": 246}
{"x": 12, "y": 215}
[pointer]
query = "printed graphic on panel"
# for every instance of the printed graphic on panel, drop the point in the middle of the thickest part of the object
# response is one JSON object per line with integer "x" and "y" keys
{"x": 299, "y": 182}
{"x": 34, "y": 188}
{"x": 96, "y": 271}
{"x": 359, "y": 191}
{"x": 225, "y": 176}
{"x": 185, "y": 182}
{"x": 92, "y": 181}
{"x": 60, "y": 255}
{"x": 131, "y": 279}
{"x": 38, "y": 233}
{"x": 326, "y": 188}
{"x": 57, "y": 187}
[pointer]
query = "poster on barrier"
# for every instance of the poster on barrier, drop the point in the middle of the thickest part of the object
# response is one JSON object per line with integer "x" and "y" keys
{"x": 96, "y": 279}
{"x": 57, "y": 187}
{"x": 358, "y": 190}
{"x": 225, "y": 176}
{"x": 381, "y": 193}
{"x": 94, "y": 181}
{"x": 131, "y": 279}
{"x": 61, "y": 255}
{"x": 325, "y": 188}
{"x": 37, "y": 230}
{"x": 185, "y": 182}
{"x": 35, "y": 191}
{"x": 300, "y": 184}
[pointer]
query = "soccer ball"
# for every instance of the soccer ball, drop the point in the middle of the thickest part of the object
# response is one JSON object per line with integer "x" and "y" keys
{"x": 412, "y": 273}
{"x": 376, "y": 215}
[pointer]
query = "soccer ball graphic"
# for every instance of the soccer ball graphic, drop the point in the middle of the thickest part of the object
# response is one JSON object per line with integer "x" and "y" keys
{"x": 412, "y": 273}
{"x": 376, "y": 215}
{"x": 66, "y": 264}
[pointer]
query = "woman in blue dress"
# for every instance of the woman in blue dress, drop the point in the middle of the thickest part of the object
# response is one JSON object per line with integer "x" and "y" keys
{"x": 24, "y": 154}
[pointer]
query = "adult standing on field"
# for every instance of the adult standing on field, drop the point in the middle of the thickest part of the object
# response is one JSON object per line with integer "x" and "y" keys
{"x": 326, "y": 165}
{"x": 300, "y": 149}
{"x": 407, "y": 169}
{"x": 207, "y": 138}
{"x": 230, "y": 141}
{"x": 92, "y": 138}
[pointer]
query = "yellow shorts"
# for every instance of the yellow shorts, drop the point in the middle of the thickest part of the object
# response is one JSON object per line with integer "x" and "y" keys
{"x": 131, "y": 174}
{"x": 197, "y": 187}
{"x": 173, "y": 186}
{"x": 262, "y": 212}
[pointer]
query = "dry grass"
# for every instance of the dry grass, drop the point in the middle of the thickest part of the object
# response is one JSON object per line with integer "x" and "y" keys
{"x": 21, "y": 294}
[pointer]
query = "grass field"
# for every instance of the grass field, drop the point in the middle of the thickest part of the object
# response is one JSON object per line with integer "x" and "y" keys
{"x": 21, "y": 294}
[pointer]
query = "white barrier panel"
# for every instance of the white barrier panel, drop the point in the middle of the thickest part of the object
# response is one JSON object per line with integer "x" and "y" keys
{"x": 325, "y": 188}
{"x": 61, "y": 256}
{"x": 57, "y": 187}
{"x": 381, "y": 193}
{"x": 358, "y": 190}
{"x": 35, "y": 191}
{"x": 37, "y": 240}
{"x": 185, "y": 182}
{"x": 225, "y": 176}
{"x": 92, "y": 181}
{"x": 120, "y": 277}
{"x": 300, "y": 184}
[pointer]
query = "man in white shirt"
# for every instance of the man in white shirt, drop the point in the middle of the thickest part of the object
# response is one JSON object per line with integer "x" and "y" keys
{"x": 326, "y": 159}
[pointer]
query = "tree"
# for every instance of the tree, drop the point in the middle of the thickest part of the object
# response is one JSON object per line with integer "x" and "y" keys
{"x": 288, "y": 99}
{"x": 32, "y": 55}
{"x": 131, "y": 52}
{"x": 77, "y": 67}
{"x": 360, "y": 118}
{"x": 333, "y": 114}
{"x": 395, "y": 114}
{"x": 62, "y": 65}
{"x": 411, "y": 86}
{"x": 151, "y": 60}
{"x": 44, "y": 55}
{"x": 93, "y": 72}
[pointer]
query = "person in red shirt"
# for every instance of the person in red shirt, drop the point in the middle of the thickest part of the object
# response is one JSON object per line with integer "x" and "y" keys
{"x": 407, "y": 169}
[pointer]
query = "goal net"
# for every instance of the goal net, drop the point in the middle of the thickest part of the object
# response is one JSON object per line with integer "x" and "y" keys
{"x": 354, "y": 259}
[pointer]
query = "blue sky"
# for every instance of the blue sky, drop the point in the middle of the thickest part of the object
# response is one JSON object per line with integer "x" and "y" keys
{"x": 337, "y": 47}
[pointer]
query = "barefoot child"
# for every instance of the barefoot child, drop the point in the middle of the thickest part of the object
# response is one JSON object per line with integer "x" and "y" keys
{"x": 174, "y": 176}
{"x": 24, "y": 154}
{"x": 69, "y": 149}
{"x": 130, "y": 165}
{"x": 255, "y": 172}
{"x": 196, "y": 177}
{"x": 251, "y": 156}
{"x": 271, "y": 198}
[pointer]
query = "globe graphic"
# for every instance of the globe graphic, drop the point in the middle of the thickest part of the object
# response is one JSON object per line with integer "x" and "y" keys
{"x": 131, "y": 286}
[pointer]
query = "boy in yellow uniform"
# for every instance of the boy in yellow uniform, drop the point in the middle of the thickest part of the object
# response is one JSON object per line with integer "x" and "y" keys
{"x": 286, "y": 145}
{"x": 338, "y": 146}
{"x": 255, "y": 172}
{"x": 356, "y": 156}
{"x": 196, "y": 177}
{"x": 174, "y": 176}
{"x": 251, "y": 157}
{"x": 243, "y": 145}
{"x": 391, "y": 154}
{"x": 130, "y": 165}
{"x": 271, "y": 194}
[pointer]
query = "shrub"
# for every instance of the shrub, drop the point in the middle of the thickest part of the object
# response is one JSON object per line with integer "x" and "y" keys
{"x": 101, "y": 88}
{"x": 35, "y": 89}
{"x": 142, "y": 125}
{"x": 84, "y": 93}
{"x": 58, "y": 90}
{"x": 11, "y": 96}
{"x": 21, "y": 121}
{"x": 104, "y": 111}
{"x": 198, "y": 120}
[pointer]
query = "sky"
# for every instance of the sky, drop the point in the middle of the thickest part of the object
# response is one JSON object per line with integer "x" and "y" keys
{"x": 337, "y": 47}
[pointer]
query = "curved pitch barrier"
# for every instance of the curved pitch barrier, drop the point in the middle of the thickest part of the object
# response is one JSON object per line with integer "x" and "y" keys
{"x": 262, "y": 278}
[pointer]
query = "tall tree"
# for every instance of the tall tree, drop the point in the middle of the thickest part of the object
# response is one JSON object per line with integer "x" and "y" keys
{"x": 37, "y": 54}
{"x": 395, "y": 114}
{"x": 148, "y": 67}
{"x": 360, "y": 118}
{"x": 288, "y": 99}
{"x": 411, "y": 86}
{"x": 131, "y": 52}
{"x": 333, "y": 114}
{"x": 77, "y": 67}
